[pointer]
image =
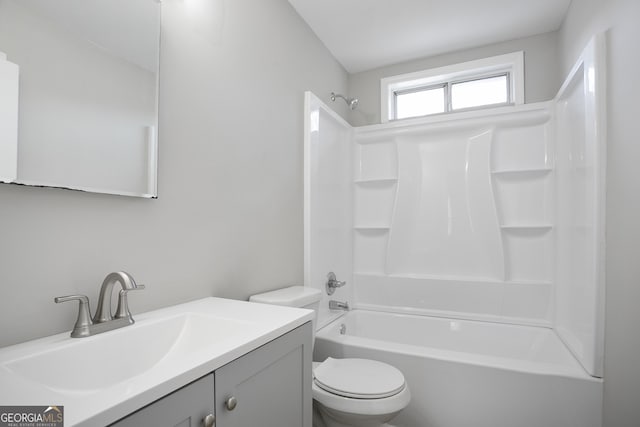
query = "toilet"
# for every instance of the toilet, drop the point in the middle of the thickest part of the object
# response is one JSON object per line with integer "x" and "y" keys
{"x": 346, "y": 392}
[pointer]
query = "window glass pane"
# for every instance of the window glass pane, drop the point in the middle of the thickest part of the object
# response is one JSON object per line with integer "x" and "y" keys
{"x": 492, "y": 90}
{"x": 420, "y": 103}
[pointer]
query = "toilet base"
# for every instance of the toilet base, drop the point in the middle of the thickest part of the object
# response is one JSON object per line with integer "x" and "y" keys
{"x": 317, "y": 418}
{"x": 325, "y": 417}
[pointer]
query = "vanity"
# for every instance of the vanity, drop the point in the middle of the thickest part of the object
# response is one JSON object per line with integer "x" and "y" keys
{"x": 210, "y": 362}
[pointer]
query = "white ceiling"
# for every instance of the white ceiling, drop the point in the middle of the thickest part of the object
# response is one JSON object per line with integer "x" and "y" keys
{"x": 366, "y": 34}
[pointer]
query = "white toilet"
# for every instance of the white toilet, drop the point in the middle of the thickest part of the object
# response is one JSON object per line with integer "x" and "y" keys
{"x": 346, "y": 392}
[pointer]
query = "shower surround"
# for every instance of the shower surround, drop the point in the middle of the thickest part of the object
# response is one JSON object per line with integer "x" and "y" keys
{"x": 491, "y": 215}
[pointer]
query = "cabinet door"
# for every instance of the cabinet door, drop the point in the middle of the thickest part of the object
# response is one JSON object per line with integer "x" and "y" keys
{"x": 270, "y": 386}
{"x": 186, "y": 407}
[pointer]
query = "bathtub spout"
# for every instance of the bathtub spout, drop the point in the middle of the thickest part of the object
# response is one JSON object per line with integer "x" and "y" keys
{"x": 338, "y": 305}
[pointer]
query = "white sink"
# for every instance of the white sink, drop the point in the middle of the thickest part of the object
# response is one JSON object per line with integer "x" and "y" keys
{"x": 102, "y": 378}
{"x": 94, "y": 363}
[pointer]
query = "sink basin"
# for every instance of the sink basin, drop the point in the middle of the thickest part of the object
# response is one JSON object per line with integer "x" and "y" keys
{"x": 91, "y": 364}
{"x": 102, "y": 378}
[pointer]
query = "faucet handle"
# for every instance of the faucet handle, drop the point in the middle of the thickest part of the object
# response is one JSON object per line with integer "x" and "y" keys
{"x": 333, "y": 283}
{"x": 82, "y": 298}
{"x": 122, "y": 311}
{"x": 81, "y": 327}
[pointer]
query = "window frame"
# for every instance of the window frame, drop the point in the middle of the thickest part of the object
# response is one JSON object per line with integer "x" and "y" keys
{"x": 511, "y": 64}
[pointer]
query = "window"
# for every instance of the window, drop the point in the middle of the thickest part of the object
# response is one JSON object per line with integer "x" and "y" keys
{"x": 494, "y": 81}
{"x": 420, "y": 102}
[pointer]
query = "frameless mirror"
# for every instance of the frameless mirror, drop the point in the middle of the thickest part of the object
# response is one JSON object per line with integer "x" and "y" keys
{"x": 79, "y": 94}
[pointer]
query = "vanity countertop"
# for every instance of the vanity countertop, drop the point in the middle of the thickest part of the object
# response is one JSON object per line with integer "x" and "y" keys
{"x": 103, "y": 378}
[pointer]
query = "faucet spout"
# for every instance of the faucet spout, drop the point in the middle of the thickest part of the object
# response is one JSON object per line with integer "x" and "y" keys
{"x": 103, "y": 310}
{"x": 338, "y": 305}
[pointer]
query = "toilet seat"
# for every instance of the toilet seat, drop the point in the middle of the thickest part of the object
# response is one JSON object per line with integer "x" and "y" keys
{"x": 358, "y": 378}
{"x": 385, "y": 405}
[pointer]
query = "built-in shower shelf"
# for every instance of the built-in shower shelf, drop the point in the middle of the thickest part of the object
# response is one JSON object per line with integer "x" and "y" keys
{"x": 542, "y": 227}
{"x": 423, "y": 280}
{"x": 376, "y": 181}
{"x": 528, "y": 282}
{"x": 520, "y": 172}
{"x": 370, "y": 227}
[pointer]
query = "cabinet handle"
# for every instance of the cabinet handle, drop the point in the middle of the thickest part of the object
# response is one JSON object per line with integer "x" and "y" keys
{"x": 209, "y": 421}
{"x": 231, "y": 403}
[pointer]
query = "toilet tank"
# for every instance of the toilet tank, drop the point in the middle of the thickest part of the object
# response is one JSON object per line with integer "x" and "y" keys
{"x": 293, "y": 296}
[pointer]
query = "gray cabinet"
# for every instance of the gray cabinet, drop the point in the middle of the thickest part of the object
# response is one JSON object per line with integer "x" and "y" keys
{"x": 186, "y": 407}
{"x": 267, "y": 387}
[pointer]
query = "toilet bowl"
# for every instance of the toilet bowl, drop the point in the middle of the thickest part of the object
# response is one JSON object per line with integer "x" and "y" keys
{"x": 358, "y": 392}
{"x": 346, "y": 392}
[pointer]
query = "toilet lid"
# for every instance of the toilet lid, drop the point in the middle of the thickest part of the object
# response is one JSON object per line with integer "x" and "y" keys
{"x": 358, "y": 378}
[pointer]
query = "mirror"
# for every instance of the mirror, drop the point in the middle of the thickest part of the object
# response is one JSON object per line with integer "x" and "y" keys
{"x": 79, "y": 94}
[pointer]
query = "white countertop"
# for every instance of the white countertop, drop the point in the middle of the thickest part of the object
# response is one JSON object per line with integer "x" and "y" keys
{"x": 243, "y": 327}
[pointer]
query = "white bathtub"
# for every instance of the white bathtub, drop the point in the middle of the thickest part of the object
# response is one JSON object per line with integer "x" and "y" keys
{"x": 471, "y": 374}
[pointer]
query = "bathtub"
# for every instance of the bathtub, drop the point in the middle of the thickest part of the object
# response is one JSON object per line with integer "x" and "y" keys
{"x": 464, "y": 373}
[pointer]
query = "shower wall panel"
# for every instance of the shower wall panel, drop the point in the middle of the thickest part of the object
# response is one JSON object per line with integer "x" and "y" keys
{"x": 328, "y": 211}
{"x": 456, "y": 216}
{"x": 581, "y": 159}
{"x": 445, "y": 221}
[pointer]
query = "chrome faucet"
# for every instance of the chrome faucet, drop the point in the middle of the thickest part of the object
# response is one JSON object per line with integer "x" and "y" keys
{"x": 338, "y": 305}
{"x": 103, "y": 320}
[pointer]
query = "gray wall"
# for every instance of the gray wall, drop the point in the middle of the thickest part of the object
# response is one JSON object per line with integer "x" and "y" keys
{"x": 228, "y": 221}
{"x": 622, "y": 339}
{"x": 229, "y": 218}
{"x": 541, "y": 73}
